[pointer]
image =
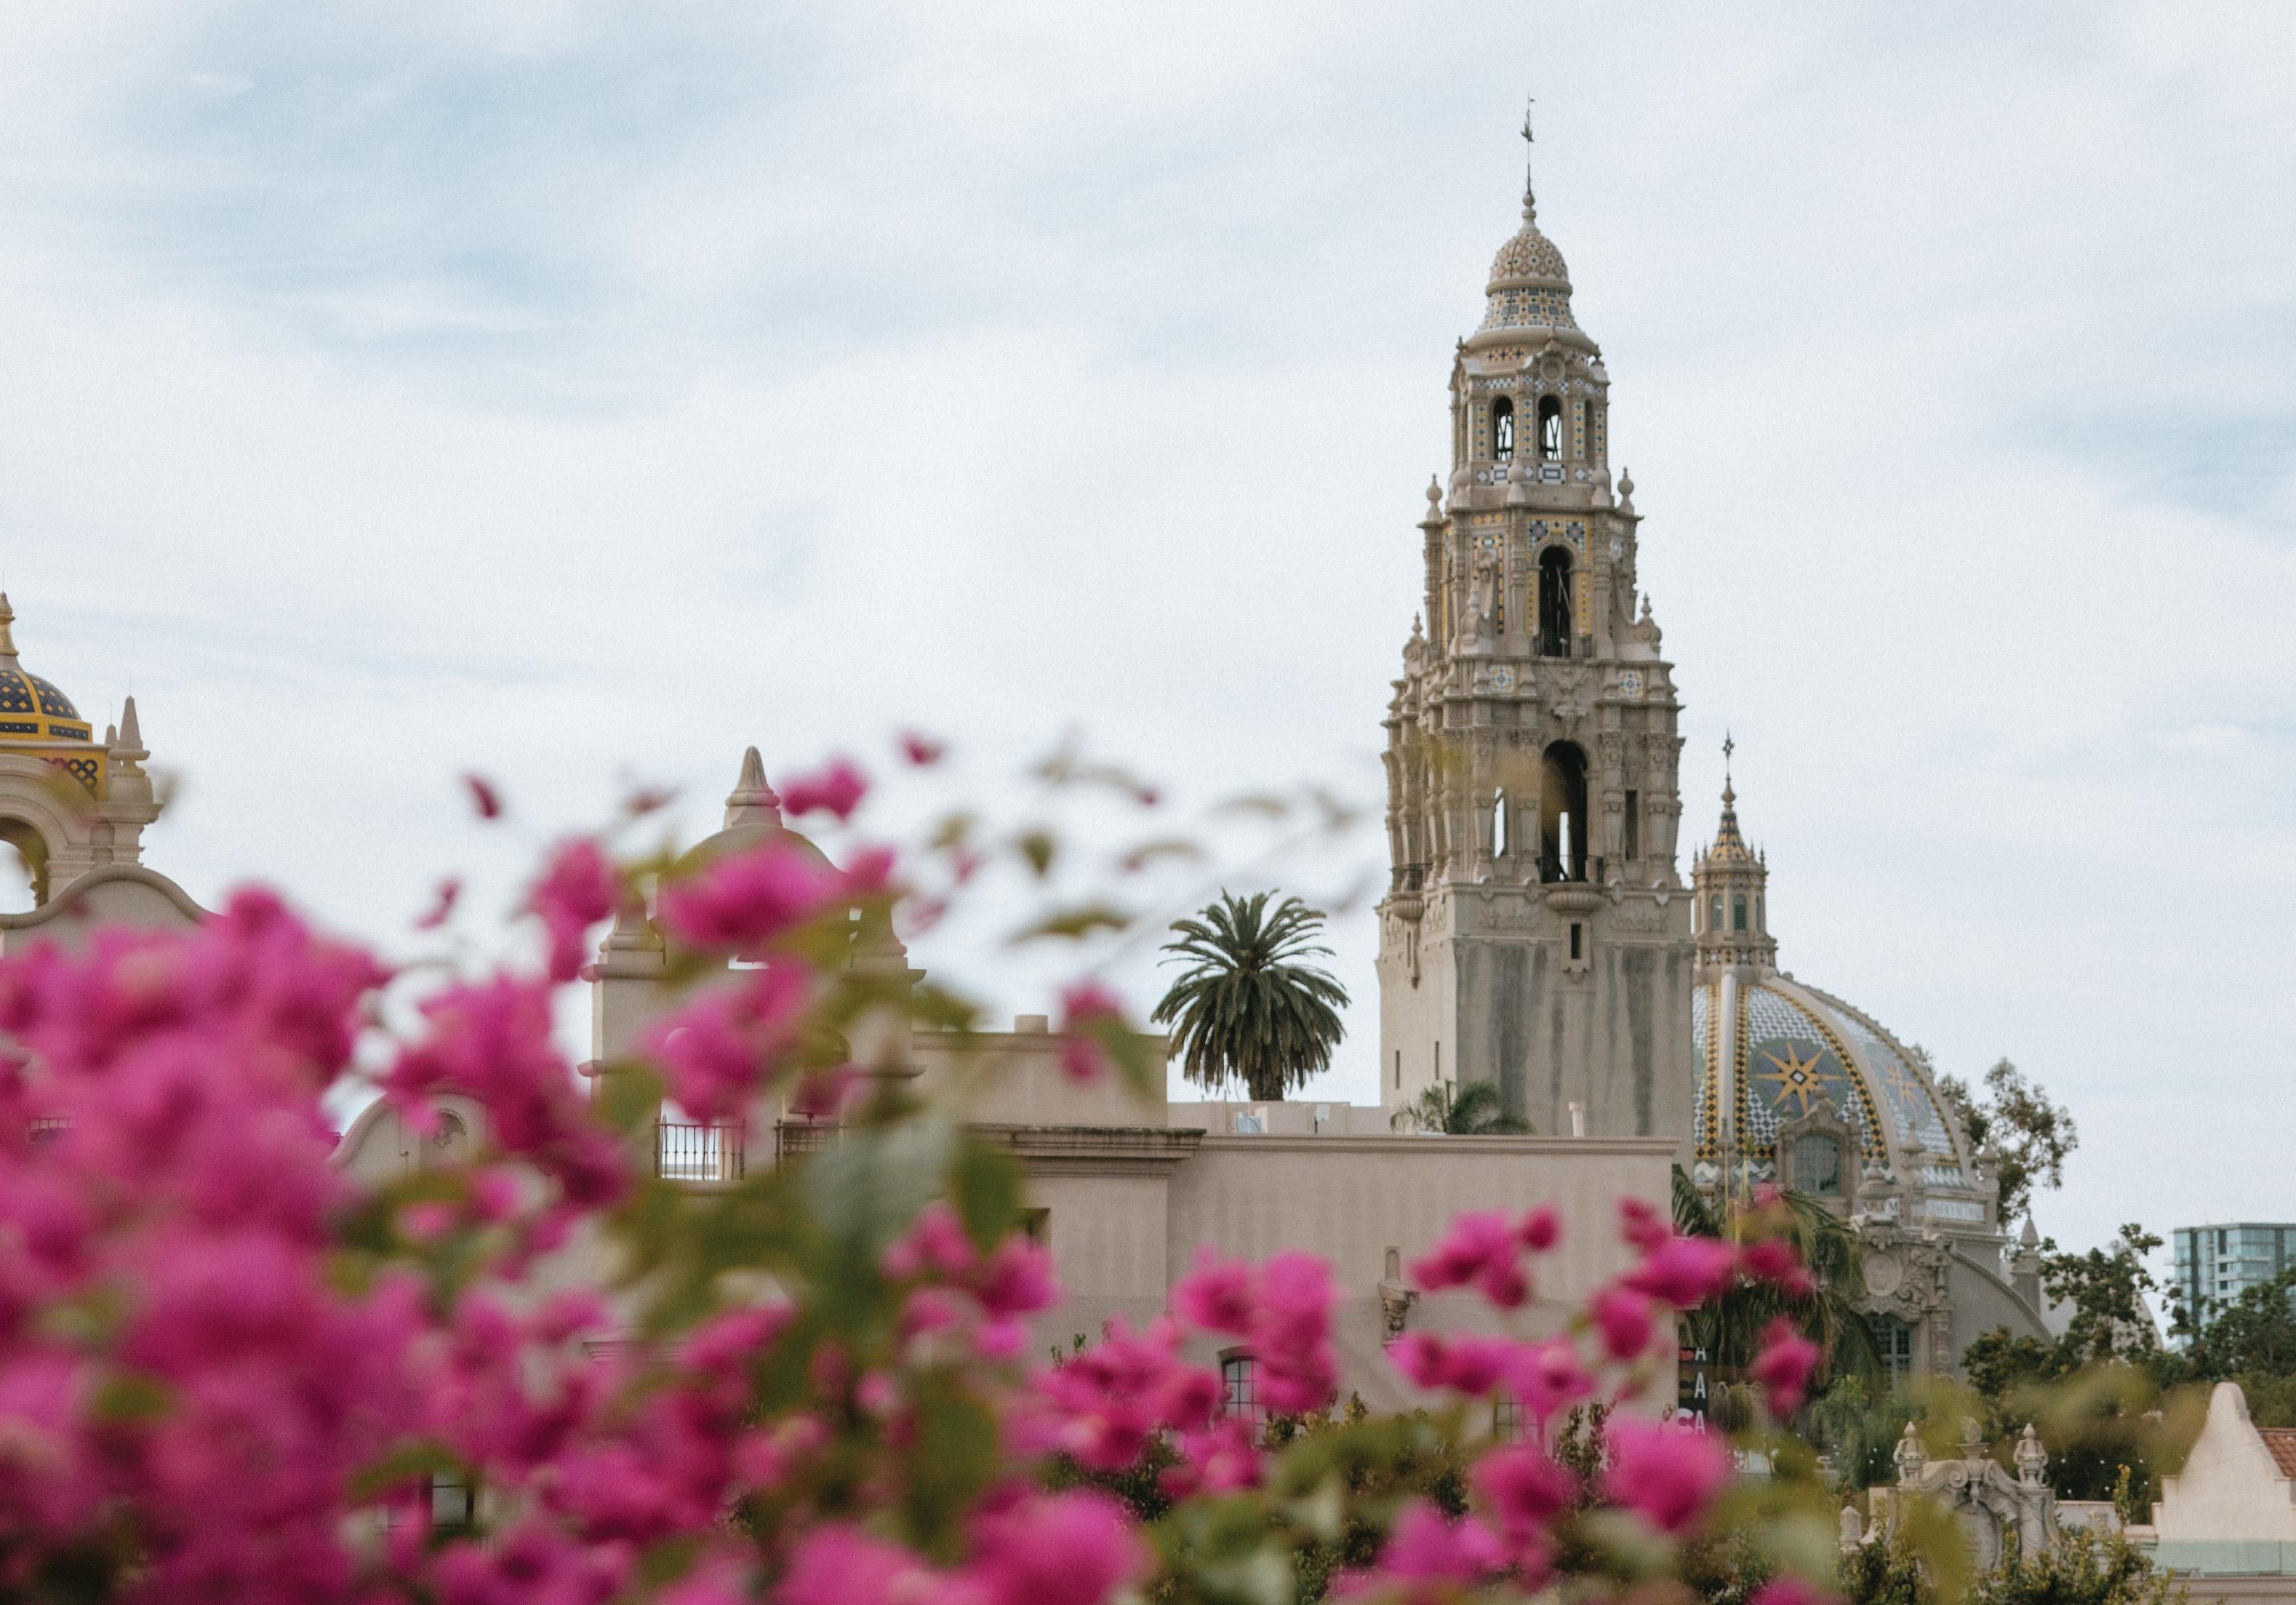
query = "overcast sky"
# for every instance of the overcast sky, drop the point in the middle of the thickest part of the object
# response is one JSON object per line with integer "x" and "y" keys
{"x": 576, "y": 392}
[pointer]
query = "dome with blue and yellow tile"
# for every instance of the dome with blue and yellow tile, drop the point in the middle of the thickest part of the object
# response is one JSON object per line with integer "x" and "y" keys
{"x": 35, "y": 714}
{"x": 1771, "y": 1054}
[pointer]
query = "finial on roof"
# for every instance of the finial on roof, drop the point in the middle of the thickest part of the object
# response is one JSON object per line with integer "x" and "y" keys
{"x": 1434, "y": 492}
{"x": 752, "y": 802}
{"x": 131, "y": 731}
{"x": 7, "y": 636}
{"x": 1530, "y": 201}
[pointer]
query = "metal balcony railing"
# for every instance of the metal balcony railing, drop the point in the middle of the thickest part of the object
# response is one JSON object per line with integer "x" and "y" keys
{"x": 698, "y": 1150}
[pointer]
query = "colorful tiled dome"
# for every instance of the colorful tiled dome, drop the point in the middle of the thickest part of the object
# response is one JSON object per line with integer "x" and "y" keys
{"x": 1529, "y": 285}
{"x": 1769, "y": 1049}
{"x": 32, "y": 709}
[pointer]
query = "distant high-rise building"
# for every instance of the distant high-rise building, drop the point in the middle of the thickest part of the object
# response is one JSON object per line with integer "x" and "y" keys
{"x": 2216, "y": 1264}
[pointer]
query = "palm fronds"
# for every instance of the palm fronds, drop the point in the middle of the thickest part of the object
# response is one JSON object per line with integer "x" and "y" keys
{"x": 1250, "y": 1008}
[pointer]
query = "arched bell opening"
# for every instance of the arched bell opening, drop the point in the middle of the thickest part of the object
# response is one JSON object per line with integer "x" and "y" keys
{"x": 1502, "y": 428}
{"x": 1550, "y": 428}
{"x": 1562, "y": 813}
{"x": 1555, "y": 603}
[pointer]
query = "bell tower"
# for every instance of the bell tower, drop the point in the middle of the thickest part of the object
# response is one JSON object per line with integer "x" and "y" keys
{"x": 1535, "y": 934}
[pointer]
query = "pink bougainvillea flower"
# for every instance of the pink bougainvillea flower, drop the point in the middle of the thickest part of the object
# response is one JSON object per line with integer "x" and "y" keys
{"x": 443, "y": 900}
{"x": 745, "y": 899}
{"x": 1642, "y": 1225}
{"x": 836, "y": 788}
{"x": 1217, "y": 1293}
{"x": 1776, "y": 1260}
{"x": 1016, "y": 1279}
{"x": 484, "y": 797}
{"x": 1221, "y": 1459}
{"x": 1667, "y": 1475}
{"x": 936, "y": 1245}
{"x": 1292, "y": 1338}
{"x": 1469, "y": 1364}
{"x": 578, "y": 887}
{"x": 1427, "y": 1558}
{"x": 1541, "y": 1229}
{"x": 1684, "y": 1271}
{"x": 1481, "y": 1250}
{"x": 1792, "y": 1588}
{"x": 1548, "y": 1379}
{"x": 1524, "y": 1491}
{"x": 921, "y": 750}
{"x": 1072, "y": 1548}
{"x": 1784, "y": 1366}
{"x": 1624, "y": 1318}
{"x": 1087, "y": 1009}
{"x": 841, "y": 1564}
{"x": 1114, "y": 1396}
{"x": 731, "y": 1039}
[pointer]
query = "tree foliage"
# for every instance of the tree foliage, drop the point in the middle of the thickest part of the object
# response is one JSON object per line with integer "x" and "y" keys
{"x": 1730, "y": 1327}
{"x": 1250, "y": 1008}
{"x": 2030, "y": 1136}
{"x": 2095, "y": 1392}
{"x": 1473, "y": 1110}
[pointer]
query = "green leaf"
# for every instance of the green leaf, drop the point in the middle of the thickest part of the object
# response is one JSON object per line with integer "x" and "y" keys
{"x": 985, "y": 1187}
{"x": 1073, "y": 924}
{"x": 129, "y": 1397}
{"x": 1039, "y": 848}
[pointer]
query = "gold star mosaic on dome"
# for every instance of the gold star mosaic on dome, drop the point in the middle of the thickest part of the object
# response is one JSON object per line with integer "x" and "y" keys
{"x": 1796, "y": 1077}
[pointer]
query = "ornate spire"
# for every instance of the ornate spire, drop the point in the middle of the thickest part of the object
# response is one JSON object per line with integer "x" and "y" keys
{"x": 1530, "y": 201}
{"x": 1727, "y": 842}
{"x": 752, "y": 802}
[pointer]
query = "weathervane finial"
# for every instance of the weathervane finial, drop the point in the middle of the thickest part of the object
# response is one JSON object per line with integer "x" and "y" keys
{"x": 1529, "y": 203}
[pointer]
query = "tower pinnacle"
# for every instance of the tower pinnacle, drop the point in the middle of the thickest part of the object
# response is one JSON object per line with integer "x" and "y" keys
{"x": 1530, "y": 201}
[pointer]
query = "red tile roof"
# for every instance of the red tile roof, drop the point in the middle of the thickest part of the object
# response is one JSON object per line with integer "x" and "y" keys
{"x": 2282, "y": 1441}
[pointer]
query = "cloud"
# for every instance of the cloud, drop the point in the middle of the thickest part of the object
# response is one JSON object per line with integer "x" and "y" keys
{"x": 575, "y": 391}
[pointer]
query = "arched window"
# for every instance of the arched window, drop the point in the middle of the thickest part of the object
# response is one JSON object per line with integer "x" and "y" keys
{"x": 1818, "y": 1165}
{"x": 1550, "y": 428}
{"x": 1562, "y": 813}
{"x": 1714, "y": 912}
{"x": 1498, "y": 824}
{"x": 1240, "y": 1390}
{"x": 1738, "y": 911}
{"x": 1502, "y": 428}
{"x": 1555, "y": 602}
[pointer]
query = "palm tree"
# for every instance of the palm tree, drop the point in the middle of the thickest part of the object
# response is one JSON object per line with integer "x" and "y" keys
{"x": 1474, "y": 1111}
{"x": 1730, "y": 1327}
{"x": 1248, "y": 1009}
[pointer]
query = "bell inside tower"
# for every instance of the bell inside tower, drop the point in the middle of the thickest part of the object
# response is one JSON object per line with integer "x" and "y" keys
{"x": 1555, "y": 603}
{"x": 1562, "y": 813}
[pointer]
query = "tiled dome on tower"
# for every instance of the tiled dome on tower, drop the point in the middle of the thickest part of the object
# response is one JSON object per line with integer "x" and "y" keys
{"x": 1795, "y": 1086}
{"x": 1530, "y": 286}
{"x": 35, "y": 714}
